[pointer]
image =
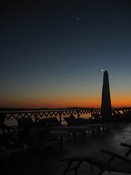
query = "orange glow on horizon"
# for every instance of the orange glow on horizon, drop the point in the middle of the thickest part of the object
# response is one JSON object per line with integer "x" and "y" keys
{"x": 61, "y": 103}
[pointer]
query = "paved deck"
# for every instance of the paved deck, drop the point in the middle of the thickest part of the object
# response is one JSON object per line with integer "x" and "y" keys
{"x": 48, "y": 162}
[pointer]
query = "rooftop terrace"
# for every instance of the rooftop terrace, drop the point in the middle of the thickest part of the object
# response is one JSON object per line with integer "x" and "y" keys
{"x": 47, "y": 161}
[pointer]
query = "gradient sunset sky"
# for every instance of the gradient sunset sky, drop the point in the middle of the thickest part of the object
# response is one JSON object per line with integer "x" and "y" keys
{"x": 52, "y": 52}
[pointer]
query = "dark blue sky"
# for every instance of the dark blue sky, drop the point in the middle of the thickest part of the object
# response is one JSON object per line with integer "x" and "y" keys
{"x": 52, "y": 52}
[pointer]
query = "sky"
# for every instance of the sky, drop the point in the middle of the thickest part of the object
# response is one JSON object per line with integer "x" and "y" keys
{"x": 53, "y": 52}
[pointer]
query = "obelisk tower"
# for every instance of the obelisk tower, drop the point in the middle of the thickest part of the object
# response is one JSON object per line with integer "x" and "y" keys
{"x": 106, "y": 109}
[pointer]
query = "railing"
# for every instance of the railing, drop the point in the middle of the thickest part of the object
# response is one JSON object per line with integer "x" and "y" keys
{"x": 41, "y": 113}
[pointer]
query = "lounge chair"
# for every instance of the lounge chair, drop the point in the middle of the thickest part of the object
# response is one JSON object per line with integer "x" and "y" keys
{"x": 40, "y": 138}
{"x": 115, "y": 173}
{"x": 127, "y": 144}
{"x": 82, "y": 125}
{"x": 41, "y": 123}
{"x": 10, "y": 147}
{"x": 71, "y": 121}
{"x": 53, "y": 121}
{"x": 105, "y": 160}
{"x": 2, "y": 119}
{"x": 54, "y": 128}
{"x": 24, "y": 127}
{"x": 48, "y": 122}
{"x": 3, "y": 126}
{"x": 25, "y": 123}
{"x": 6, "y": 132}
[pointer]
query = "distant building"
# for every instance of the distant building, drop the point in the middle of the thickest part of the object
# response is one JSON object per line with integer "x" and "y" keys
{"x": 106, "y": 108}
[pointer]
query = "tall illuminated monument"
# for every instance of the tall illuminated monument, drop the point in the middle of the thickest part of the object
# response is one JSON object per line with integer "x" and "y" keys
{"x": 106, "y": 108}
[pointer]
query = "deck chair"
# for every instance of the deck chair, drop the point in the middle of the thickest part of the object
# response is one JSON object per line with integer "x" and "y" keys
{"x": 40, "y": 138}
{"x": 24, "y": 126}
{"x": 115, "y": 173}
{"x": 71, "y": 121}
{"x": 9, "y": 145}
{"x": 41, "y": 123}
{"x": 48, "y": 122}
{"x": 3, "y": 127}
{"x": 128, "y": 146}
{"x": 104, "y": 160}
{"x": 2, "y": 119}
{"x": 54, "y": 127}
{"x": 53, "y": 121}
{"x": 25, "y": 122}
{"x": 6, "y": 132}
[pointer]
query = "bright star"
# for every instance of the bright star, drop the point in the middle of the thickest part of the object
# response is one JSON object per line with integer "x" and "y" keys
{"x": 77, "y": 19}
